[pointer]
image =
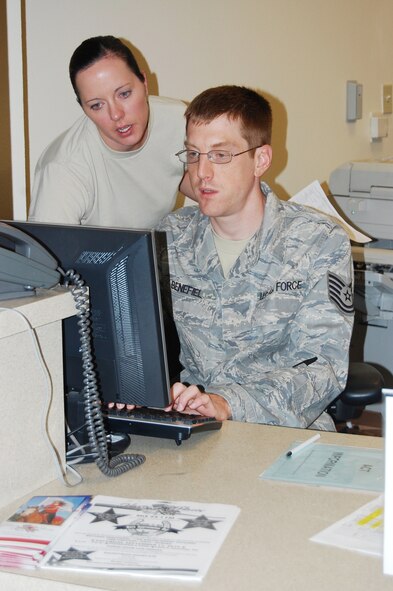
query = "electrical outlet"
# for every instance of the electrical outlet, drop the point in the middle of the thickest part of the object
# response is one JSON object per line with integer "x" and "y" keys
{"x": 386, "y": 99}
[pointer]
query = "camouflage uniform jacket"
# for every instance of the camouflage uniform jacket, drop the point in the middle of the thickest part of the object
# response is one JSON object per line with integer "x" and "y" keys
{"x": 287, "y": 299}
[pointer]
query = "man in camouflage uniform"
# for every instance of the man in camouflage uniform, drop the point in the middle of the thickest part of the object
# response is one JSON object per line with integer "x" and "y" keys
{"x": 261, "y": 289}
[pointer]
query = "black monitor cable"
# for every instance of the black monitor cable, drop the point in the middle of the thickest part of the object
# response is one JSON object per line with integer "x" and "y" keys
{"x": 92, "y": 405}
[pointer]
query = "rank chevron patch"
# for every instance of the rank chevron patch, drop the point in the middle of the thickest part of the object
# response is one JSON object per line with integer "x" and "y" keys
{"x": 340, "y": 293}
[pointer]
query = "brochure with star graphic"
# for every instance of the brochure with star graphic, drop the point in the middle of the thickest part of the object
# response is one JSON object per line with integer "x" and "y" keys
{"x": 143, "y": 537}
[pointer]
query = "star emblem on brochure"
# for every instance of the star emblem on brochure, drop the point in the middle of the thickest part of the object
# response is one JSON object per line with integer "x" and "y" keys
{"x": 109, "y": 515}
{"x": 201, "y": 521}
{"x": 73, "y": 554}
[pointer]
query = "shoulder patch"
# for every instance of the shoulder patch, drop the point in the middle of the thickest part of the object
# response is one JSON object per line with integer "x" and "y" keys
{"x": 340, "y": 293}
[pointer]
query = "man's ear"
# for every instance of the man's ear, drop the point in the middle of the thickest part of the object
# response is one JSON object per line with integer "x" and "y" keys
{"x": 263, "y": 159}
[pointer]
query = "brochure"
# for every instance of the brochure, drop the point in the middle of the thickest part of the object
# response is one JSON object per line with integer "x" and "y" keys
{"x": 27, "y": 534}
{"x": 331, "y": 465}
{"x": 140, "y": 537}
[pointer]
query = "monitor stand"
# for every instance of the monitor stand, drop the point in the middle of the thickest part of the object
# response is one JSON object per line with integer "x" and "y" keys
{"x": 77, "y": 440}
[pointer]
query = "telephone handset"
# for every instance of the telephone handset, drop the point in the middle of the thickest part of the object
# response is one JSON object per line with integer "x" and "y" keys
{"x": 24, "y": 264}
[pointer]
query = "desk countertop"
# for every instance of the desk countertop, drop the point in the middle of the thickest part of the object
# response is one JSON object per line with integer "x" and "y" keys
{"x": 48, "y": 305}
{"x": 268, "y": 547}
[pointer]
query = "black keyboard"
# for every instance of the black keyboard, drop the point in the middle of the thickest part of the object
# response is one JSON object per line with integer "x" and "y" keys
{"x": 158, "y": 423}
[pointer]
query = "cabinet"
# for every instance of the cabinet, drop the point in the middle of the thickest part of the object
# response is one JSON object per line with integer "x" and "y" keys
{"x": 31, "y": 390}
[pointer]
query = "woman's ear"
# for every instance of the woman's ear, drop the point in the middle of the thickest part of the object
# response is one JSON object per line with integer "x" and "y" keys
{"x": 263, "y": 159}
{"x": 145, "y": 83}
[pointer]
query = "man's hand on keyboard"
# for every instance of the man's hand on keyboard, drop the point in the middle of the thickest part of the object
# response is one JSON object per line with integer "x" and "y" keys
{"x": 190, "y": 400}
{"x": 120, "y": 406}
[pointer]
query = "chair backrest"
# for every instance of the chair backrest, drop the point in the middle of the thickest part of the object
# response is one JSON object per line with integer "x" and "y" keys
{"x": 364, "y": 387}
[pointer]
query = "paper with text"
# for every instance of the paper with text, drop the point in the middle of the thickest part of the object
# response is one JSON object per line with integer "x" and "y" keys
{"x": 144, "y": 537}
{"x": 362, "y": 530}
{"x": 314, "y": 196}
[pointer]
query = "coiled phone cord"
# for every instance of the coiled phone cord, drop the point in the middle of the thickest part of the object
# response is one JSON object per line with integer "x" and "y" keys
{"x": 92, "y": 405}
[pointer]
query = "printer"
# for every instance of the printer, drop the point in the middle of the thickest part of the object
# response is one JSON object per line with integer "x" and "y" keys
{"x": 362, "y": 191}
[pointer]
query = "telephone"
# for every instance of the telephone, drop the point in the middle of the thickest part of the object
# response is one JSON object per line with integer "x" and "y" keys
{"x": 24, "y": 264}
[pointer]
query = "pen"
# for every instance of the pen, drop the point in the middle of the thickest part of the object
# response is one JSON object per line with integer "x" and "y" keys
{"x": 301, "y": 446}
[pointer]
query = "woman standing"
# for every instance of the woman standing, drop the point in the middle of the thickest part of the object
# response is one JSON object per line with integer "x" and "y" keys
{"x": 116, "y": 166}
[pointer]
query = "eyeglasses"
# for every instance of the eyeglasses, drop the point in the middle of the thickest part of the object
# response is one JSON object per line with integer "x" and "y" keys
{"x": 215, "y": 156}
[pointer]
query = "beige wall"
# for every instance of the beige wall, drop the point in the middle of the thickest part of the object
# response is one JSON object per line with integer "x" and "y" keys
{"x": 300, "y": 53}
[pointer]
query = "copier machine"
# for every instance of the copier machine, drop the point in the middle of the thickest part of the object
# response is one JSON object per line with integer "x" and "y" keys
{"x": 363, "y": 193}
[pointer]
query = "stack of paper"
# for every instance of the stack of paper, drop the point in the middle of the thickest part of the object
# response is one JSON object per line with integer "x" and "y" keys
{"x": 314, "y": 196}
{"x": 26, "y": 536}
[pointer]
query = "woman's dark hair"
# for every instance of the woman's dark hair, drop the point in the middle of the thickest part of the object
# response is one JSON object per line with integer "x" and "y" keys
{"x": 93, "y": 49}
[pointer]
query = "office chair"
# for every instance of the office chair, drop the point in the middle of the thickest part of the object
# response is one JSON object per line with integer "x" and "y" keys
{"x": 364, "y": 387}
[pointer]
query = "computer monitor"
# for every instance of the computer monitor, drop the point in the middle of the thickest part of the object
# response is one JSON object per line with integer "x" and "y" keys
{"x": 119, "y": 267}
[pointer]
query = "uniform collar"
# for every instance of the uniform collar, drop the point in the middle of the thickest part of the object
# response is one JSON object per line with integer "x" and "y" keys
{"x": 200, "y": 239}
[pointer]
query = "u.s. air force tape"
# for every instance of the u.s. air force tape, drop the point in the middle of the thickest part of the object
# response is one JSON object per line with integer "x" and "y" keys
{"x": 340, "y": 293}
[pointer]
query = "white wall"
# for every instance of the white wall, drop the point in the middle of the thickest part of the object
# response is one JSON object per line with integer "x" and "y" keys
{"x": 299, "y": 53}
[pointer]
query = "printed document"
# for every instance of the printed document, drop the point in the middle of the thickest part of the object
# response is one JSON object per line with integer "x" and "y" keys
{"x": 362, "y": 530}
{"x": 143, "y": 537}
